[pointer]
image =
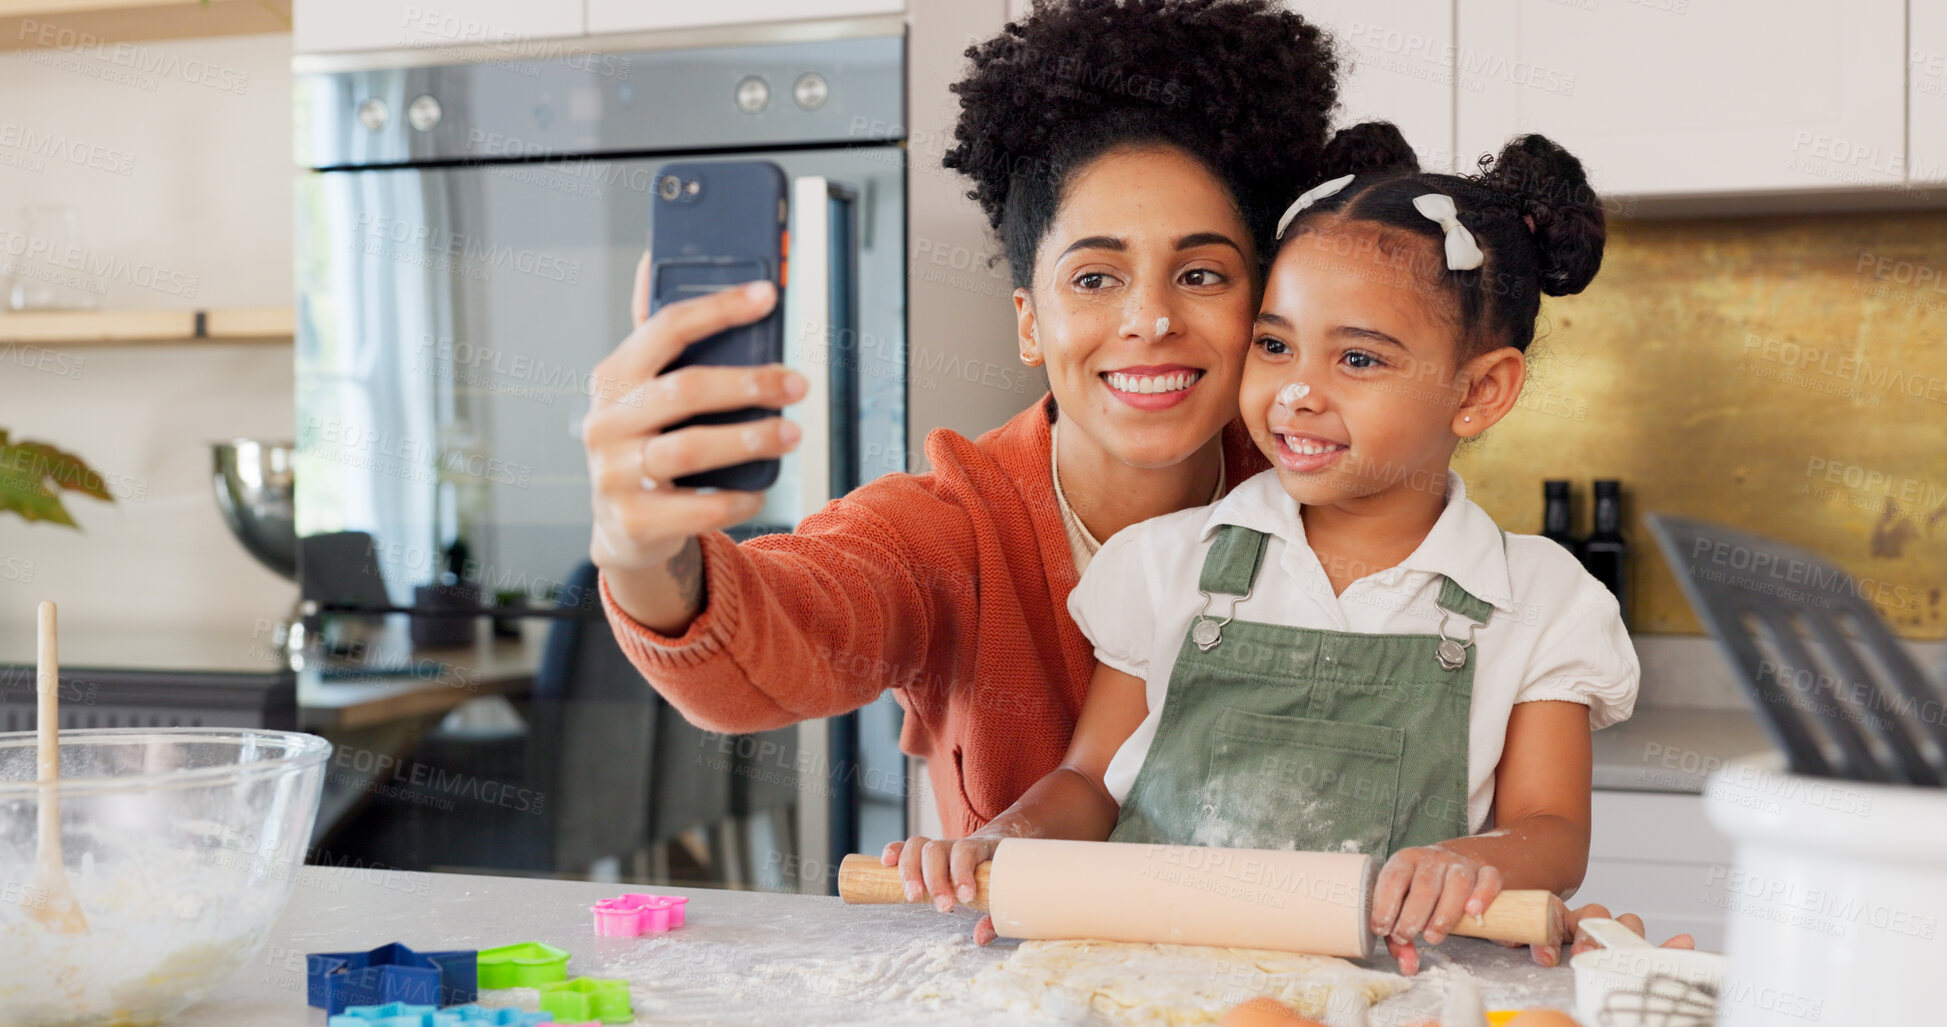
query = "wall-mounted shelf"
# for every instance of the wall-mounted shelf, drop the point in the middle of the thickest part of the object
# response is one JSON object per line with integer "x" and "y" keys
{"x": 255, "y": 325}
{"x": 83, "y": 24}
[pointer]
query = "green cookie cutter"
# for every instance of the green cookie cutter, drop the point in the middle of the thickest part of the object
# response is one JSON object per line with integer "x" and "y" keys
{"x": 528, "y": 964}
{"x": 587, "y": 998}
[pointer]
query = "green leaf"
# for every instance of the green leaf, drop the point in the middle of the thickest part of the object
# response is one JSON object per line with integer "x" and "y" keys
{"x": 31, "y": 475}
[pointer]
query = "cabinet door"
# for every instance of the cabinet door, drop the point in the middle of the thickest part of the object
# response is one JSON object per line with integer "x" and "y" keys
{"x": 1674, "y": 97}
{"x": 1926, "y": 77}
{"x": 324, "y": 26}
{"x": 636, "y": 16}
{"x": 1395, "y": 66}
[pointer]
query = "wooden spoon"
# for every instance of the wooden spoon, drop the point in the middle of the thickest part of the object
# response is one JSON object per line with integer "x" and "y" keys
{"x": 56, "y": 908}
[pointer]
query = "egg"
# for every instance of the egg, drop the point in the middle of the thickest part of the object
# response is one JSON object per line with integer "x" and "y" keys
{"x": 1543, "y": 1018}
{"x": 1264, "y": 1012}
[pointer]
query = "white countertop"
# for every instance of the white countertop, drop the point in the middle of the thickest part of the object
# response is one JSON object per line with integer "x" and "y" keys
{"x": 743, "y": 958}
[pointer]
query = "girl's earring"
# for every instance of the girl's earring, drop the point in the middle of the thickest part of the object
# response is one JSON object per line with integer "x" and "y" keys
{"x": 1467, "y": 417}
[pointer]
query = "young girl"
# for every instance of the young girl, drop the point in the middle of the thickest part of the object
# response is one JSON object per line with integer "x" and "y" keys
{"x": 1345, "y": 653}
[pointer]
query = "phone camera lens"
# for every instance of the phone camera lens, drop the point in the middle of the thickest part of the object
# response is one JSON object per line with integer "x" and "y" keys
{"x": 670, "y": 187}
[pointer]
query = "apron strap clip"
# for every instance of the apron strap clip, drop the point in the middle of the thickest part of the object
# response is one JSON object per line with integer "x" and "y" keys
{"x": 1207, "y": 633}
{"x": 1451, "y": 652}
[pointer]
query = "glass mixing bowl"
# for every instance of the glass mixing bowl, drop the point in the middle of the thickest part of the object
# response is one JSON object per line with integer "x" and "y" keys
{"x": 181, "y": 846}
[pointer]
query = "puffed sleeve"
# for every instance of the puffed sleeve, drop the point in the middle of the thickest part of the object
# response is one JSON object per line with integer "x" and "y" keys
{"x": 1584, "y": 656}
{"x": 1113, "y": 603}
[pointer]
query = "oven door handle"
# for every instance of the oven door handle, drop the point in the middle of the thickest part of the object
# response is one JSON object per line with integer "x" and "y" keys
{"x": 821, "y": 337}
{"x": 822, "y": 342}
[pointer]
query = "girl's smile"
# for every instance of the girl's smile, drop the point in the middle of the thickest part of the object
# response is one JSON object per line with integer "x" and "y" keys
{"x": 1304, "y": 453}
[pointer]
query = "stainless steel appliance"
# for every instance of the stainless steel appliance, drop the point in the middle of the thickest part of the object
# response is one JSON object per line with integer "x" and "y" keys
{"x": 467, "y": 235}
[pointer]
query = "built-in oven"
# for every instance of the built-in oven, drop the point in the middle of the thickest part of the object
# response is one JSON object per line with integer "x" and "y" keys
{"x": 467, "y": 233}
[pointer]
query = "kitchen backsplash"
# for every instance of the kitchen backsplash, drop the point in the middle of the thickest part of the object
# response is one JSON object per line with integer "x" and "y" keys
{"x": 176, "y": 156}
{"x": 1786, "y": 375}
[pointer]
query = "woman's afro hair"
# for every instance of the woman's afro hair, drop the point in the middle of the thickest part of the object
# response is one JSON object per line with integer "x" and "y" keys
{"x": 1244, "y": 86}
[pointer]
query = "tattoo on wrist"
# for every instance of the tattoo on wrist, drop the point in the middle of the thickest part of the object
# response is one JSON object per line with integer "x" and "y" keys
{"x": 686, "y": 570}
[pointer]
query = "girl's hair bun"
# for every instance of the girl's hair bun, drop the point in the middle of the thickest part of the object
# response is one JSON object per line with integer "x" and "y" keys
{"x": 1547, "y": 185}
{"x": 1367, "y": 147}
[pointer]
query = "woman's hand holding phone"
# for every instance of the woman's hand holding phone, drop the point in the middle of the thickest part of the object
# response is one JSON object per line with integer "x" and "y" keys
{"x": 645, "y": 529}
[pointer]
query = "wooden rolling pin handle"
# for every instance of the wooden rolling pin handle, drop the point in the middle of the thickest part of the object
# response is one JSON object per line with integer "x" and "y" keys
{"x": 1525, "y": 917}
{"x": 864, "y": 880}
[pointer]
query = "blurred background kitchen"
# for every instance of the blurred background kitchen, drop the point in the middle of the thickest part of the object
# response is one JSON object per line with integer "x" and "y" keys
{"x": 316, "y": 290}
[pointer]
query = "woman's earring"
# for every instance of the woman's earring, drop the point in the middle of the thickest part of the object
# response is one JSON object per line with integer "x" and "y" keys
{"x": 1467, "y": 417}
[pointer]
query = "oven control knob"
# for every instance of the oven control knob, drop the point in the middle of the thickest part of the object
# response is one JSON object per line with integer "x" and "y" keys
{"x": 753, "y": 94}
{"x": 811, "y": 90}
{"x": 373, "y": 114}
{"x": 423, "y": 113}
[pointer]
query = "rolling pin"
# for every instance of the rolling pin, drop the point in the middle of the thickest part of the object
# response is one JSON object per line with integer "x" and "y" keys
{"x": 1312, "y": 902}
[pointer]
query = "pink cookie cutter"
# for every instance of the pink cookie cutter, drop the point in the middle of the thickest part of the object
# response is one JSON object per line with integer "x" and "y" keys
{"x": 635, "y": 914}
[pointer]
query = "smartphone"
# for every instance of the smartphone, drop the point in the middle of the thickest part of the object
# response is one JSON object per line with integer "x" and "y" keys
{"x": 714, "y": 226}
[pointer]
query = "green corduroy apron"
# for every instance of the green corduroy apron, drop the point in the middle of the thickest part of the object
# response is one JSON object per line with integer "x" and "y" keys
{"x": 1276, "y": 737}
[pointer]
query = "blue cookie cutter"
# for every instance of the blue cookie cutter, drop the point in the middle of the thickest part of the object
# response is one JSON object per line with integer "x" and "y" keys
{"x": 336, "y": 981}
{"x": 400, "y": 1014}
{"x": 391, "y": 1014}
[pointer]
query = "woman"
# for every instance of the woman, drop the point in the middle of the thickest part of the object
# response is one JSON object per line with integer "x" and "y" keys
{"x": 1132, "y": 220}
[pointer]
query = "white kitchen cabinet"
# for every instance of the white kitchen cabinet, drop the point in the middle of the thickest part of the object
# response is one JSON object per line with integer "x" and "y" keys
{"x": 1654, "y": 854}
{"x": 637, "y": 16}
{"x": 1926, "y": 77}
{"x": 326, "y": 26}
{"x": 1395, "y": 67}
{"x": 1692, "y": 97}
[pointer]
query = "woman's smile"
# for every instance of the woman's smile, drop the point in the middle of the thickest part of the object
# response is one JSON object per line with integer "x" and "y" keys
{"x": 1153, "y": 387}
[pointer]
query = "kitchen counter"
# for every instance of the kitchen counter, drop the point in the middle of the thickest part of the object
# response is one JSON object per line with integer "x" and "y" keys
{"x": 1673, "y": 750}
{"x": 743, "y": 958}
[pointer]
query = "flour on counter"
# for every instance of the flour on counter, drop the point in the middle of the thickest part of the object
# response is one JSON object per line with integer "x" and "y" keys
{"x": 1143, "y": 985}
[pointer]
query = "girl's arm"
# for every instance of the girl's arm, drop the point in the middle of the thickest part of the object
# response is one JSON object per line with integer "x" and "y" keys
{"x": 1068, "y": 802}
{"x": 1540, "y": 839}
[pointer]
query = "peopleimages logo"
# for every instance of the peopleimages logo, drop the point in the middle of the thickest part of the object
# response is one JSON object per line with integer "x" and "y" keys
{"x": 35, "y": 250}
{"x": 42, "y": 146}
{"x": 471, "y": 253}
{"x": 141, "y": 59}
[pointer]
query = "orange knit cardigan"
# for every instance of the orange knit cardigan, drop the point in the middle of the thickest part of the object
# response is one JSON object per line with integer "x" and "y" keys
{"x": 950, "y": 587}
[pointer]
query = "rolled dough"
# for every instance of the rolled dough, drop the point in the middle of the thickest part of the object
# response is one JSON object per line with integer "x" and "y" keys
{"x": 1131, "y": 983}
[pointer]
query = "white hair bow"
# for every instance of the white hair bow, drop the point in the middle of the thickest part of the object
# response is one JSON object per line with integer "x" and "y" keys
{"x": 1463, "y": 253}
{"x": 1309, "y": 197}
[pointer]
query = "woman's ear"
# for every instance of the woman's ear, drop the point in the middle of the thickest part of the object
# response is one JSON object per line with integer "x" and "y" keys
{"x": 1024, "y": 328}
{"x": 1494, "y": 382}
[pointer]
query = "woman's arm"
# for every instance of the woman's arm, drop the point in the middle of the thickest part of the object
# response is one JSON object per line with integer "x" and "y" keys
{"x": 1070, "y": 801}
{"x": 820, "y": 621}
{"x": 748, "y": 638}
{"x": 1540, "y": 839}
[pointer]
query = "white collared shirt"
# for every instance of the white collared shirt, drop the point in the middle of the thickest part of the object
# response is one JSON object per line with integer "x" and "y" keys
{"x": 1556, "y": 632}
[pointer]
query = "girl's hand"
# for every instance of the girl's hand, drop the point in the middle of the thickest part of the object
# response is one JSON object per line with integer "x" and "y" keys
{"x": 943, "y": 868}
{"x": 1422, "y": 892}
